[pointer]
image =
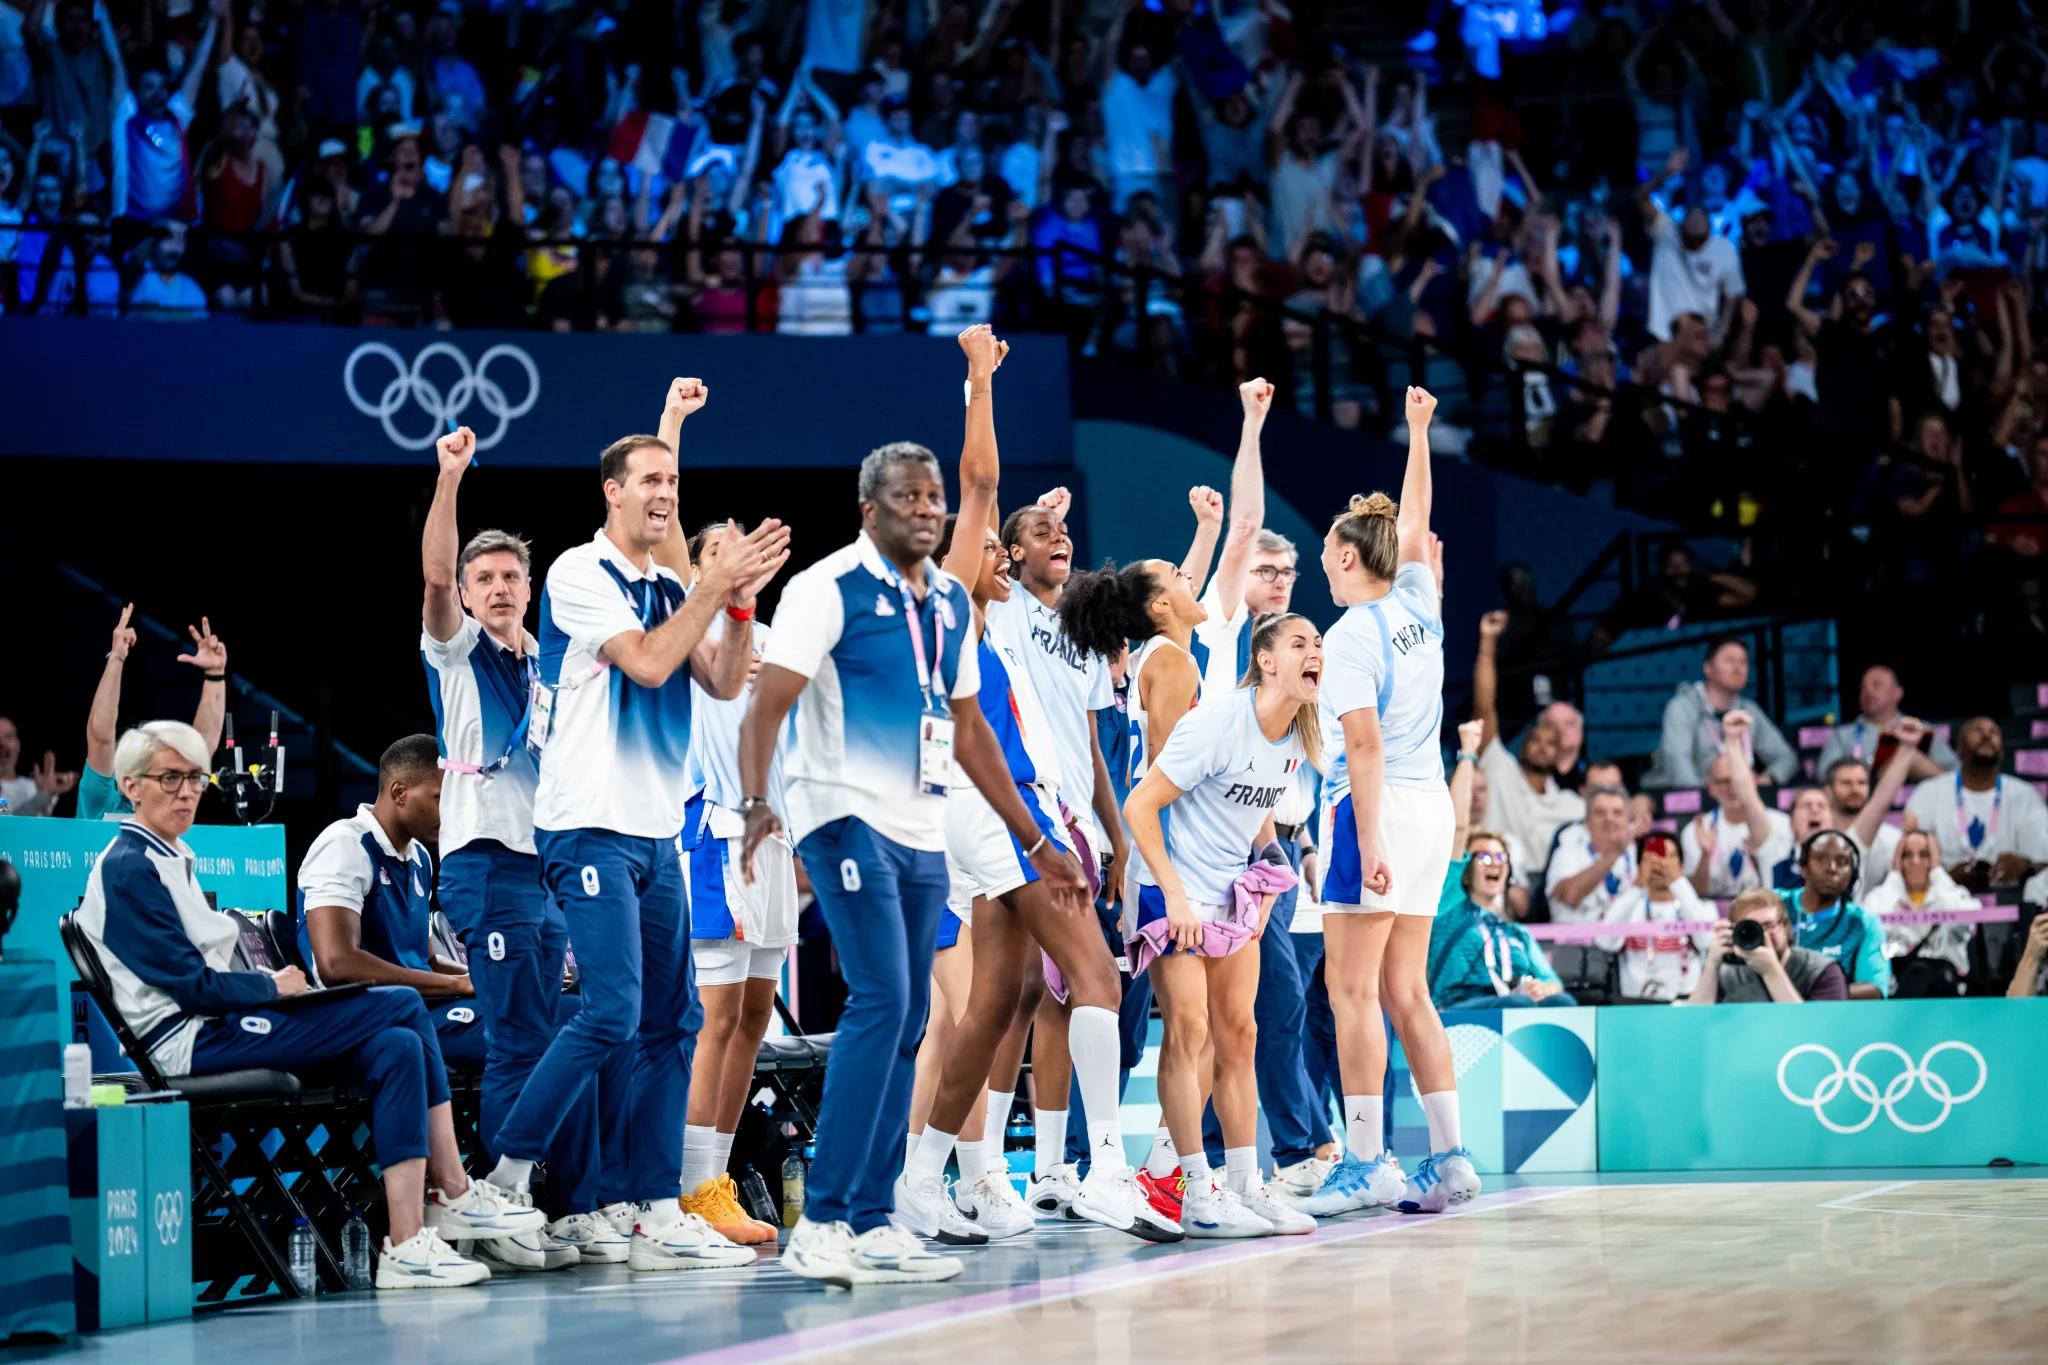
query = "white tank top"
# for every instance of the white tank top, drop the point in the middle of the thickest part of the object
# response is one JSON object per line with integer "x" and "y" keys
{"x": 1141, "y": 758}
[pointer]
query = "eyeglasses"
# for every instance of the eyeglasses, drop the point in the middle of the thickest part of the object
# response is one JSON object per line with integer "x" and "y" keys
{"x": 171, "y": 779}
{"x": 1274, "y": 573}
{"x": 1490, "y": 859}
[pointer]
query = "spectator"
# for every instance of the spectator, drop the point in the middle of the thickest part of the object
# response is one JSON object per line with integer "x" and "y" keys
{"x": 99, "y": 795}
{"x": 1811, "y": 812}
{"x": 1734, "y": 846}
{"x": 79, "y": 74}
{"x": 899, "y": 163}
{"x": 83, "y": 281}
{"x": 1992, "y": 829}
{"x": 1594, "y": 861}
{"x": 316, "y": 260}
{"x": 152, "y": 156}
{"x": 1691, "y": 269}
{"x": 1853, "y": 354}
{"x": 161, "y": 292}
{"x": 1858, "y": 809}
{"x": 1516, "y": 896}
{"x": 1525, "y": 799}
{"x": 1304, "y": 169}
{"x": 453, "y": 79}
{"x": 1656, "y": 966}
{"x": 1678, "y": 595}
{"x": 2031, "y": 976}
{"x": 1693, "y": 720}
{"x": 1828, "y": 921}
{"x": 1927, "y": 959}
{"x": 1774, "y": 972}
{"x": 36, "y": 793}
{"x": 2022, "y": 529}
{"x": 1871, "y": 736}
{"x": 1479, "y": 958}
{"x": 1137, "y": 112}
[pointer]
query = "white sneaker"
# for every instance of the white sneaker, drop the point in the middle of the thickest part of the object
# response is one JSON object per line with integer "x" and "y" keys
{"x": 1052, "y": 1195}
{"x": 689, "y": 1243}
{"x": 483, "y": 1210}
{"x": 1441, "y": 1180}
{"x": 1353, "y": 1185}
{"x": 529, "y": 1250}
{"x": 820, "y": 1251}
{"x": 622, "y": 1217}
{"x": 891, "y": 1255}
{"x": 994, "y": 1205}
{"x": 1113, "y": 1199}
{"x": 923, "y": 1208}
{"x": 1215, "y": 1211}
{"x": 1265, "y": 1202}
{"x": 424, "y": 1261}
{"x": 1303, "y": 1178}
{"x": 592, "y": 1235}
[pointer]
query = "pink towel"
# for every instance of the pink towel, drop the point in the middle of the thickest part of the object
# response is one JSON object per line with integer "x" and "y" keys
{"x": 1092, "y": 870}
{"x": 1226, "y": 936}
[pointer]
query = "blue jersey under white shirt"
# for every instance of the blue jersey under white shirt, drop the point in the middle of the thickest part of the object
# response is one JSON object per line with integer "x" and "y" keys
{"x": 616, "y": 754}
{"x": 1231, "y": 778}
{"x": 1010, "y": 703}
{"x": 1388, "y": 655}
{"x": 480, "y": 691}
{"x": 715, "y": 748}
{"x": 1069, "y": 682}
{"x": 841, "y": 624}
{"x": 354, "y": 865}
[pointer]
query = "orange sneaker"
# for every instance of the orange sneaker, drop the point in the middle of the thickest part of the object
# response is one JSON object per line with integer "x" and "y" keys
{"x": 717, "y": 1202}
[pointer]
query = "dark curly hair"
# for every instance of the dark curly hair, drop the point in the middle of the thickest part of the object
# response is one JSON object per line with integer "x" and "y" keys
{"x": 1105, "y": 610}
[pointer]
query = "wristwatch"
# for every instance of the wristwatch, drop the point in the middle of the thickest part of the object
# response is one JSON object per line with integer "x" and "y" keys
{"x": 748, "y": 803}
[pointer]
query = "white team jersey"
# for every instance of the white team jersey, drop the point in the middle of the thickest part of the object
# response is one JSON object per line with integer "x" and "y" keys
{"x": 1140, "y": 719}
{"x": 1069, "y": 683}
{"x": 480, "y": 692}
{"x": 1231, "y": 777}
{"x": 1389, "y": 655}
{"x": 1222, "y": 643}
{"x": 841, "y": 623}
{"x": 715, "y": 746}
{"x": 616, "y": 754}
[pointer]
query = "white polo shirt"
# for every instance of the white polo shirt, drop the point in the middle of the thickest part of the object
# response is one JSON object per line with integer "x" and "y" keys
{"x": 616, "y": 754}
{"x": 1574, "y": 855}
{"x": 715, "y": 747}
{"x": 480, "y": 691}
{"x": 1736, "y": 867}
{"x": 841, "y": 623}
{"x": 1070, "y": 684}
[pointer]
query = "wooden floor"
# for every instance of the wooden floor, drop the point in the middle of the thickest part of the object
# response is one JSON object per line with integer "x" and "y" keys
{"x": 1950, "y": 1271}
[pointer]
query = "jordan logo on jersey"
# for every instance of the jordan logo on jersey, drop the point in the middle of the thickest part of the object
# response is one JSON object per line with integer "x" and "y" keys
{"x": 1407, "y": 637}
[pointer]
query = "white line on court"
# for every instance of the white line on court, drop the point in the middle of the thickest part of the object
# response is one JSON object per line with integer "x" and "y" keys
{"x": 1847, "y": 1200}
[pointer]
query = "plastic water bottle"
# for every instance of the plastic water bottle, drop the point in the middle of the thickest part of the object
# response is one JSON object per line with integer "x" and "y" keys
{"x": 792, "y": 1189}
{"x": 355, "y": 1251}
{"x": 77, "y": 1076}
{"x": 304, "y": 1273}
{"x": 754, "y": 1193}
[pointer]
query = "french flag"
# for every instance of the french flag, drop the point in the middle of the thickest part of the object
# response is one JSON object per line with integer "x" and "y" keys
{"x": 653, "y": 144}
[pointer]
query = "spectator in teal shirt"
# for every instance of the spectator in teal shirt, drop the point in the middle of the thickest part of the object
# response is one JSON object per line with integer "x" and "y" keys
{"x": 98, "y": 796}
{"x": 1827, "y": 922}
{"x": 1478, "y": 959}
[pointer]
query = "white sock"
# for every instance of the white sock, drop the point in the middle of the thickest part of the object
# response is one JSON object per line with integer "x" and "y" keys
{"x": 998, "y": 1125}
{"x": 511, "y": 1174}
{"x": 1195, "y": 1166}
{"x": 1049, "y": 1134}
{"x": 1363, "y": 1121}
{"x": 973, "y": 1158}
{"x": 721, "y": 1153}
{"x": 910, "y": 1148}
{"x": 1240, "y": 1164}
{"x": 928, "y": 1160}
{"x": 700, "y": 1151}
{"x": 659, "y": 1215}
{"x": 1160, "y": 1163}
{"x": 1091, "y": 1037}
{"x": 1441, "y": 1107}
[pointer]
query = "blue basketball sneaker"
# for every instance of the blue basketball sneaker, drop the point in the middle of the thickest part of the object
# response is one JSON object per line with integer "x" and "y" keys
{"x": 1355, "y": 1184}
{"x": 1443, "y": 1179}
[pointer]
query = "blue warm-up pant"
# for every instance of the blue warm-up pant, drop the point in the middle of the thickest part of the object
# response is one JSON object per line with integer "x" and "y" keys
{"x": 624, "y": 902}
{"x": 881, "y": 902}
{"x": 382, "y": 1038}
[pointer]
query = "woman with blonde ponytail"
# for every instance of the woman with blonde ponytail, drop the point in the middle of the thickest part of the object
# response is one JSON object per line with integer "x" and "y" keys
{"x": 1387, "y": 831}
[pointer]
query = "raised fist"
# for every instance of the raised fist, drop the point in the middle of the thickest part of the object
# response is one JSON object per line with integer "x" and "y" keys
{"x": 686, "y": 396}
{"x": 1207, "y": 504}
{"x": 1257, "y": 397}
{"x": 1420, "y": 407}
{"x": 455, "y": 450}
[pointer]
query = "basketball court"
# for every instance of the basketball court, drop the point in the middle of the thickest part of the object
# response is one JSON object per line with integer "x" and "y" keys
{"x": 1882, "y": 1265}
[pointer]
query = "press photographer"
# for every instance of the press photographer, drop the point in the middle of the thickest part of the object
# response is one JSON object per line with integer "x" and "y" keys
{"x": 1751, "y": 960}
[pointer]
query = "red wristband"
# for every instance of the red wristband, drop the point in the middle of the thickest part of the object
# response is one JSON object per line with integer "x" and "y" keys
{"x": 740, "y": 613}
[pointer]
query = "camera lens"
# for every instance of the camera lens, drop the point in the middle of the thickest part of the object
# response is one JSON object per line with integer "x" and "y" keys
{"x": 1749, "y": 935}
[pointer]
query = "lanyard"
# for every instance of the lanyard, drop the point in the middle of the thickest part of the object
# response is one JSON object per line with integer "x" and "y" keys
{"x": 1856, "y": 749}
{"x": 518, "y": 739}
{"x": 1963, "y": 827}
{"x": 1488, "y": 935}
{"x": 926, "y": 672}
{"x": 1623, "y": 872}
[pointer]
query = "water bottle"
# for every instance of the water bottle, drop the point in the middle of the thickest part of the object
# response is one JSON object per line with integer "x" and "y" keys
{"x": 77, "y": 1076}
{"x": 754, "y": 1192}
{"x": 792, "y": 1189}
{"x": 355, "y": 1251}
{"x": 304, "y": 1274}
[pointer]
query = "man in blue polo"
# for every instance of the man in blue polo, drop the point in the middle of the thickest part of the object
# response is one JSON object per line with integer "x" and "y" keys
{"x": 877, "y": 640}
{"x": 619, "y": 643}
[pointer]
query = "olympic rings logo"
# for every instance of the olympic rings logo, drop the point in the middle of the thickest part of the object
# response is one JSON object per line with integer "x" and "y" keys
{"x": 170, "y": 1217}
{"x": 410, "y": 384}
{"x": 1882, "y": 1101}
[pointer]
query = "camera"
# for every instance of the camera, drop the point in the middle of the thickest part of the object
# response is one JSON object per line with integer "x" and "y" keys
{"x": 1749, "y": 935}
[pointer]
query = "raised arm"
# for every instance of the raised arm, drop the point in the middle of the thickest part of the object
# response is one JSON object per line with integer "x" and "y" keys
{"x": 1412, "y": 523}
{"x": 1749, "y": 802}
{"x": 103, "y": 719}
{"x": 201, "y": 61}
{"x": 685, "y": 396}
{"x": 210, "y": 657}
{"x": 1486, "y": 679}
{"x": 1142, "y": 812}
{"x": 1885, "y": 790}
{"x": 441, "y": 541}
{"x": 1207, "y": 505}
{"x": 980, "y": 468}
{"x": 1247, "y": 496}
{"x": 1795, "y": 295}
{"x": 1469, "y": 741}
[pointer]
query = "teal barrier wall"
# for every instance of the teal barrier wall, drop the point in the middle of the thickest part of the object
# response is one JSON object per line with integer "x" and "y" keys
{"x": 1527, "y": 1090}
{"x": 243, "y": 867}
{"x": 1867, "y": 1083}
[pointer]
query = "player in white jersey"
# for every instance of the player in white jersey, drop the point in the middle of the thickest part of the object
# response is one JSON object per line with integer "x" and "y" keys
{"x": 740, "y": 932}
{"x": 1387, "y": 831}
{"x": 1012, "y": 912}
{"x": 1220, "y": 776}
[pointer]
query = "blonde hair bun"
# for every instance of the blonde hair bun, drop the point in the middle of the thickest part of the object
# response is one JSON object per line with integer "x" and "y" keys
{"x": 1374, "y": 505}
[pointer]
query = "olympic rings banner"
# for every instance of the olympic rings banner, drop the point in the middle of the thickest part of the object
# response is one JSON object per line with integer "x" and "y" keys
{"x": 322, "y": 395}
{"x": 1866, "y": 1083}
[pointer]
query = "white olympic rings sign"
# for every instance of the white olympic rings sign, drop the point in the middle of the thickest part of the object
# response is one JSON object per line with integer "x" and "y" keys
{"x": 1864, "y": 1089}
{"x": 170, "y": 1217}
{"x": 410, "y": 384}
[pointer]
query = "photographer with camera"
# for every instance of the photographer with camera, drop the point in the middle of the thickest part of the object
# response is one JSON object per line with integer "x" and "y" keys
{"x": 1751, "y": 960}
